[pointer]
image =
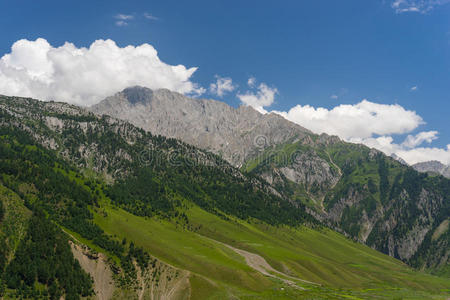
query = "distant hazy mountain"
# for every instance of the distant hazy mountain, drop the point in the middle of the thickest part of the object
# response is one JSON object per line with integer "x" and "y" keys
{"x": 360, "y": 191}
{"x": 433, "y": 167}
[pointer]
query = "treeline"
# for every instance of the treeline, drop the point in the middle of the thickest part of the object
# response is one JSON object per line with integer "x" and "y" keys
{"x": 43, "y": 265}
{"x": 22, "y": 162}
{"x": 57, "y": 193}
{"x": 154, "y": 174}
{"x": 150, "y": 191}
{"x": 134, "y": 254}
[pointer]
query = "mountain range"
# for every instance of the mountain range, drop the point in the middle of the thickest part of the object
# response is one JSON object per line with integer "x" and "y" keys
{"x": 154, "y": 195}
{"x": 354, "y": 189}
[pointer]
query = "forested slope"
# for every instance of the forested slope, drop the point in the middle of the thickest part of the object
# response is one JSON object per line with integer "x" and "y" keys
{"x": 164, "y": 217}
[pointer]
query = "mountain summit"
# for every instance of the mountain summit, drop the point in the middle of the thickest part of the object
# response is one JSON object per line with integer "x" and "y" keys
{"x": 235, "y": 133}
{"x": 137, "y": 94}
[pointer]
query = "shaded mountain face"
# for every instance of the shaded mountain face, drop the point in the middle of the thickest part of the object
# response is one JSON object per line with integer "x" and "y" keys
{"x": 435, "y": 167}
{"x": 137, "y": 94}
{"x": 359, "y": 191}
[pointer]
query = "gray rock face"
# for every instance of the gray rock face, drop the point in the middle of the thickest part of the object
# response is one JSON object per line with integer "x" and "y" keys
{"x": 307, "y": 170}
{"x": 433, "y": 167}
{"x": 212, "y": 125}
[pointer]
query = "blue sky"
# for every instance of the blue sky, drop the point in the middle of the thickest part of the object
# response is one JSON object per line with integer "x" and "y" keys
{"x": 317, "y": 53}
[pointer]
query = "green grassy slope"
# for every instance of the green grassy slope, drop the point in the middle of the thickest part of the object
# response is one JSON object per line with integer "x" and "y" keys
{"x": 14, "y": 222}
{"x": 340, "y": 266}
{"x": 371, "y": 191}
{"x": 186, "y": 215}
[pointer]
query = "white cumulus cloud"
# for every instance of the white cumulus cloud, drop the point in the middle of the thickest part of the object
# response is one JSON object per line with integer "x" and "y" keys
{"x": 222, "y": 86}
{"x": 366, "y": 122}
{"x": 413, "y": 141}
{"x": 261, "y": 97}
{"x": 85, "y": 76}
{"x": 361, "y": 120}
{"x": 411, "y": 153}
{"x": 373, "y": 125}
{"x": 421, "y": 154}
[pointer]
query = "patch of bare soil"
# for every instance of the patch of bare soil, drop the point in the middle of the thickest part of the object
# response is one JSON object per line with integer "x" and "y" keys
{"x": 96, "y": 265}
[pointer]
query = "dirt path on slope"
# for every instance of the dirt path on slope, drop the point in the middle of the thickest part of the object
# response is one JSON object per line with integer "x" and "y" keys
{"x": 258, "y": 263}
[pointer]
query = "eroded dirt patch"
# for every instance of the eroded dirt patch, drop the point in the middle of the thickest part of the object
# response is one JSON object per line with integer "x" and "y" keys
{"x": 97, "y": 266}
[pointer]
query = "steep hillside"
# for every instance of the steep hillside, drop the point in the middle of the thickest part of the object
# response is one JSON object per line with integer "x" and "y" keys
{"x": 151, "y": 174}
{"x": 356, "y": 190}
{"x": 162, "y": 219}
{"x": 369, "y": 196}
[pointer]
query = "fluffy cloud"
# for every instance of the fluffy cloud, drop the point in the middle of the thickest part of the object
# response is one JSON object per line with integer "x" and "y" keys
{"x": 222, "y": 86}
{"x": 411, "y": 155}
{"x": 261, "y": 97}
{"x": 85, "y": 76}
{"x": 361, "y": 120}
{"x": 413, "y": 141}
{"x": 372, "y": 124}
{"x": 420, "y": 6}
{"x": 421, "y": 154}
{"x": 366, "y": 122}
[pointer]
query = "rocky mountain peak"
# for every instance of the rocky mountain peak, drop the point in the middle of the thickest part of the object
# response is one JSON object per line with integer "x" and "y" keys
{"x": 234, "y": 133}
{"x": 137, "y": 94}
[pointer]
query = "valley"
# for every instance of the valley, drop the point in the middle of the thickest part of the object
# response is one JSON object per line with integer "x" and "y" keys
{"x": 137, "y": 221}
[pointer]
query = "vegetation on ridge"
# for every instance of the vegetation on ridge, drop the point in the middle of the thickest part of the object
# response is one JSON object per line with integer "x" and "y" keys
{"x": 61, "y": 174}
